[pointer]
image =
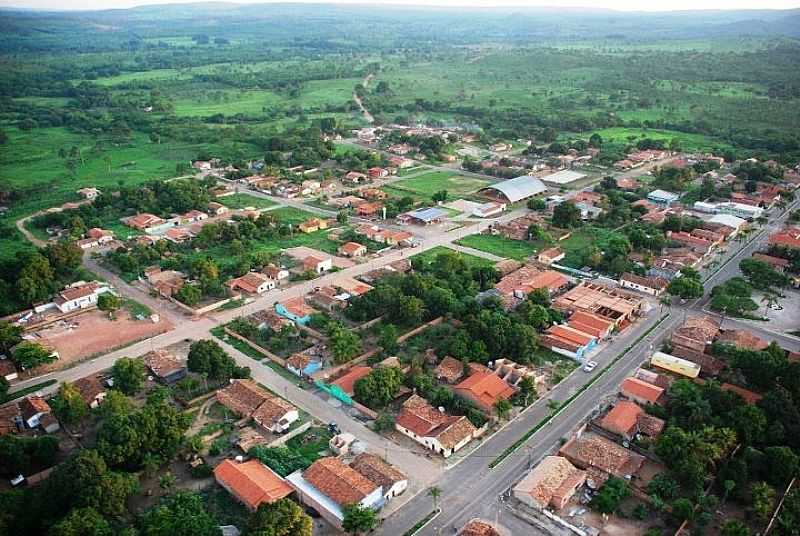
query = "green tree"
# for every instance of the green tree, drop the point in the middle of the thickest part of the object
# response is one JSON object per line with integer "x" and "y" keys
{"x": 64, "y": 258}
{"x": 82, "y": 522}
{"x": 189, "y": 295}
{"x": 502, "y": 407}
{"x": 434, "y": 493}
{"x": 342, "y": 217}
{"x": 10, "y": 335}
{"x": 129, "y": 375}
{"x": 379, "y": 387}
{"x": 439, "y": 197}
{"x": 36, "y": 280}
{"x": 68, "y": 404}
{"x": 208, "y": 357}
{"x": 281, "y": 518}
{"x": 387, "y": 339}
{"x": 384, "y": 422}
{"x": 734, "y": 527}
{"x": 28, "y": 355}
{"x": 108, "y": 302}
{"x": 608, "y": 499}
{"x": 685, "y": 287}
{"x": 344, "y": 344}
{"x": 537, "y": 203}
{"x": 359, "y": 519}
{"x": 761, "y": 275}
{"x": 181, "y": 514}
{"x": 566, "y": 215}
{"x": 763, "y": 501}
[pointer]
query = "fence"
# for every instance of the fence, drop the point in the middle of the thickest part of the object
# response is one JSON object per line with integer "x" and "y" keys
{"x": 266, "y": 353}
{"x": 286, "y": 437}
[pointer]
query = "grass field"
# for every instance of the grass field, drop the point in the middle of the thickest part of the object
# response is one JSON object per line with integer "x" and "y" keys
{"x": 239, "y": 201}
{"x": 499, "y": 245}
{"x": 428, "y": 256}
{"x": 688, "y": 142}
{"x": 428, "y": 184}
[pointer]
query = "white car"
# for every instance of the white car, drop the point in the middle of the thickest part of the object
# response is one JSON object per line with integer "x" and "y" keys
{"x": 589, "y": 366}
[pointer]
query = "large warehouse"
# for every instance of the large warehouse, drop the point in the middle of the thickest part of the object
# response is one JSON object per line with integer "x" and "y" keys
{"x": 517, "y": 189}
{"x": 563, "y": 177}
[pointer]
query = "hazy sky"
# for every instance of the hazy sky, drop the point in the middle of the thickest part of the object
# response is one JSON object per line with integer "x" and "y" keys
{"x": 628, "y": 5}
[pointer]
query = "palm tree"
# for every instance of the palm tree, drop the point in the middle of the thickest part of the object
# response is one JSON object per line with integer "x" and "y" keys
{"x": 435, "y": 493}
{"x": 769, "y": 299}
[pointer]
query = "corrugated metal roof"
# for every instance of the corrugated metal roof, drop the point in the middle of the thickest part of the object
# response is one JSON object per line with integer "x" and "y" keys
{"x": 519, "y": 188}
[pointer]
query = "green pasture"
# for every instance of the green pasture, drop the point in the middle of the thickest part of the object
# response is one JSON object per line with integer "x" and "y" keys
{"x": 428, "y": 184}
{"x": 500, "y": 246}
{"x": 427, "y": 257}
{"x": 689, "y": 142}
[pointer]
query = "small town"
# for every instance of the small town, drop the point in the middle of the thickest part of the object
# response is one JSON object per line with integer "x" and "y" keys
{"x": 399, "y": 325}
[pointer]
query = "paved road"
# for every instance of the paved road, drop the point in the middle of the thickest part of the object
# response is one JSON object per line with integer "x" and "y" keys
{"x": 471, "y": 489}
{"x": 424, "y": 471}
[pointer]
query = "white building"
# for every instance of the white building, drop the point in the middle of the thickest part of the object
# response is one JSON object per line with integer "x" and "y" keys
{"x": 489, "y": 210}
{"x": 79, "y": 296}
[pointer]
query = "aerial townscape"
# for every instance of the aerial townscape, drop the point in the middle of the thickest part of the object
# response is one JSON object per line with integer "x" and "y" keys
{"x": 291, "y": 270}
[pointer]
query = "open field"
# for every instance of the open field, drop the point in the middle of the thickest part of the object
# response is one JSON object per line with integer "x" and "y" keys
{"x": 240, "y": 201}
{"x": 500, "y": 246}
{"x": 688, "y": 142}
{"x": 428, "y": 184}
{"x": 428, "y": 256}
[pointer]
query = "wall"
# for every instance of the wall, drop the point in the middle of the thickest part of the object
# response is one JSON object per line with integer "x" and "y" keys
{"x": 257, "y": 348}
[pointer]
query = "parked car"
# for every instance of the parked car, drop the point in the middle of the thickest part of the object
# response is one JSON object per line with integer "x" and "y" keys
{"x": 589, "y": 366}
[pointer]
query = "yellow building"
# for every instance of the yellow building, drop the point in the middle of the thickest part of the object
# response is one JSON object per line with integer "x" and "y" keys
{"x": 675, "y": 364}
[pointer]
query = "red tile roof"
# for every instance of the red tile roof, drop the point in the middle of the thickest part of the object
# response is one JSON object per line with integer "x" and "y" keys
{"x": 622, "y": 418}
{"x": 748, "y": 396}
{"x": 377, "y": 471}
{"x": 347, "y": 382}
{"x": 251, "y": 482}
{"x": 338, "y": 481}
{"x": 485, "y": 388}
{"x": 641, "y": 390}
{"x": 423, "y": 420}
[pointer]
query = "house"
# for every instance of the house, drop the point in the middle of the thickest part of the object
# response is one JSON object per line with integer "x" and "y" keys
{"x": 276, "y": 273}
{"x": 676, "y": 365}
{"x": 489, "y": 210}
{"x": 252, "y": 483}
{"x": 609, "y": 303}
{"x": 201, "y": 165}
{"x": 742, "y": 338}
{"x": 217, "y": 209}
{"x": 740, "y": 210}
{"x": 100, "y": 235}
{"x": 789, "y": 237}
{"x": 79, "y": 296}
{"x": 641, "y": 392}
{"x": 695, "y": 243}
{"x": 478, "y": 527}
{"x": 377, "y": 173}
{"x": 601, "y": 457}
{"x": 354, "y": 177}
{"x": 317, "y": 265}
{"x": 11, "y": 421}
{"x": 591, "y": 324}
{"x": 252, "y": 283}
{"x": 485, "y": 390}
{"x": 271, "y": 320}
{"x": 422, "y": 216}
{"x": 568, "y": 341}
{"x": 91, "y": 390}
{"x": 777, "y": 263}
{"x": 33, "y": 408}
{"x": 435, "y": 430}
{"x": 194, "y": 216}
{"x": 748, "y": 396}
{"x": 275, "y": 415}
{"x": 165, "y": 366}
{"x": 352, "y": 287}
{"x": 87, "y": 243}
{"x": 627, "y": 420}
{"x": 727, "y": 220}
{"x": 522, "y": 282}
{"x": 655, "y": 286}
{"x": 400, "y": 162}
{"x": 327, "y": 298}
{"x": 662, "y": 198}
{"x": 303, "y": 364}
{"x": 348, "y": 380}
{"x": 178, "y": 235}
{"x": 380, "y": 473}
{"x": 627, "y": 183}
{"x": 369, "y": 210}
{"x": 295, "y": 309}
{"x": 551, "y": 255}
{"x": 352, "y": 249}
{"x": 7, "y": 369}
{"x": 450, "y": 370}
{"x": 347, "y": 201}
{"x": 166, "y": 282}
{"x": 89, "y": 193}
{"x": 144, "y": 221}
{"x": 551, "y": 484}
{"x": 328, "y": 485}
{"x": 696, "y": 333}
{"x": 313, "y": 224}
{"x": 246, "y": 399}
